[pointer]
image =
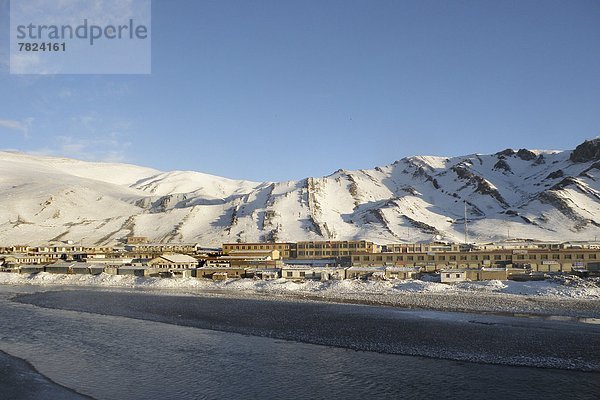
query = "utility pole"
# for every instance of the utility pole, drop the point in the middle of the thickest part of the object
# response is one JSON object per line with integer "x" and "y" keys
{"x": 466, "y": 229}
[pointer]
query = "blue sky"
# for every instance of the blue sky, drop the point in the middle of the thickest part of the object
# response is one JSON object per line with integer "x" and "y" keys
{"x": 276, "y": 90}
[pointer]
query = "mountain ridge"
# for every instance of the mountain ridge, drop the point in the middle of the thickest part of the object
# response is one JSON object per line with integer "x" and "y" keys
{"x": 532, "y": 194}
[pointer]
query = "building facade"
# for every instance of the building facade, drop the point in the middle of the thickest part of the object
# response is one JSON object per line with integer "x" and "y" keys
{"x": 286, "y": 250}
{"x": 543, "y": 260}
{"x": 334, "y": 248}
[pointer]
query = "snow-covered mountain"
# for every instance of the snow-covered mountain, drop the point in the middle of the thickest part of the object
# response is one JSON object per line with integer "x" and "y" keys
{"x": 546, "y": 195}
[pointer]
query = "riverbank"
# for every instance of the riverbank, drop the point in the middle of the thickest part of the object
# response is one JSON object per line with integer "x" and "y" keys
{"x": 448, "y": 335}
{"x": 20, "y": 380}
{"x": 151, "y": 344}
{"x": 564, "y": 296}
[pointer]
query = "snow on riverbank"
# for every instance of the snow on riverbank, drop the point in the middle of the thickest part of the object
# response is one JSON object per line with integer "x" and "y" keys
{"x": 572, "y": 287}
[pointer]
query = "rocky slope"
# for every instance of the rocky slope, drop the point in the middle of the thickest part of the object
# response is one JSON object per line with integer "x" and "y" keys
{"x": 546, "y": 195}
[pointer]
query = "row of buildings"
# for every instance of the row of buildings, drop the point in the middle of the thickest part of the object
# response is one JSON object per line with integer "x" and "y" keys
{"x": 167, "y": 269}
{"x": 354, "y": 259}
{"x": 435, "y": 256}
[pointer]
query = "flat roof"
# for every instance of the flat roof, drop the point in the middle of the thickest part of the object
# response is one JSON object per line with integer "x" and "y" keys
{"x": 305, "y": 261}
{"x": 178, "y": 258}
{"x": 161, "y": 244}
{"x": 133, "y": 267}
{"x": 402, "y": 269}
{"x": 253, "y": 251}
{"x": 255, "y": 243}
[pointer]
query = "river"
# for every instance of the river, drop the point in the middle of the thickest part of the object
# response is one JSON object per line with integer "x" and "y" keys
{"x": 145, "y": 345}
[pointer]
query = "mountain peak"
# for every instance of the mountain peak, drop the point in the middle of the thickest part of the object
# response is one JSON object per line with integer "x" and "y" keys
{"x": 534, "y": 194}
{"x": 586, "y": 151}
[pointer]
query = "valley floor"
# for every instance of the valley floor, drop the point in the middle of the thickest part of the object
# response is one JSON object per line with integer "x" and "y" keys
{"x": 562, "y": 297}
{"x": 563, "y": 343}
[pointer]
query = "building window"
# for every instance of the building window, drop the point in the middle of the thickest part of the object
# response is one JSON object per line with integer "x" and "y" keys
{"x": 447, "y": 275}
{"x": 302, "y": 274}
{"x": 458, "y": 275}
{"x": 289, "y": 274}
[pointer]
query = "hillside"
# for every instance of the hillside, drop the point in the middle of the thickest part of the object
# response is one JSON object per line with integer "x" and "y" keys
{"x": 536, "y": 194}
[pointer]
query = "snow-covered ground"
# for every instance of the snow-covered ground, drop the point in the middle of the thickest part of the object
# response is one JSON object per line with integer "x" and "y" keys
{"x": 572, "y": 287}
{"x": 541, "y": 195}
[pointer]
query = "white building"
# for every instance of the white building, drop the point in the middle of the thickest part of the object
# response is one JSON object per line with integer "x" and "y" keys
{"x": 402, "y": 272}
{"x": 174, "y": 261}
{"x": 453, "y": 275}
{"x": 302, "y": 272}
{"x": 365, "y": 273}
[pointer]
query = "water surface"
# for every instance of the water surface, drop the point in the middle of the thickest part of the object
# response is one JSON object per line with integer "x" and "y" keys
{"x": 146, "y": 353}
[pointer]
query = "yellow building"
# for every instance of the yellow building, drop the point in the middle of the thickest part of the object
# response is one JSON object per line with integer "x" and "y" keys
{"x": 137, "y": 239}
{"x": 255, "y": 254}
{"x": 543, "y": 260}
{"x": 286, "y": 250}
{"x": 334, "y": 248}
{"x": 221, "y": 272}
{"x": 420, "y": 247}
